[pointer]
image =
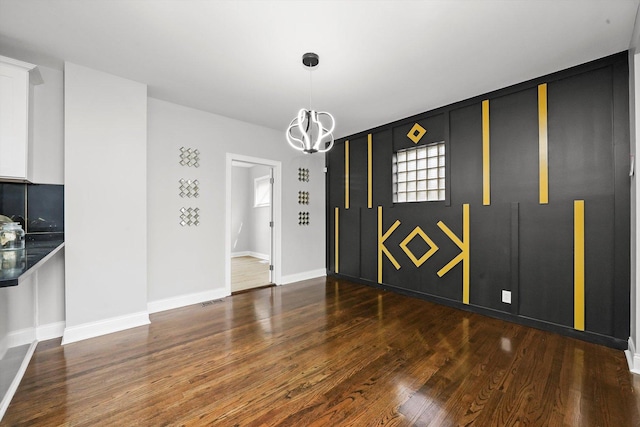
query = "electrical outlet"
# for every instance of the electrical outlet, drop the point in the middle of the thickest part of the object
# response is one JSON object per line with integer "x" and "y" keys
{"x": 506, "y": 297}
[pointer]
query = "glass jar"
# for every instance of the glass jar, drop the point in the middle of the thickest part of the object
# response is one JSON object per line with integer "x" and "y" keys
{"x": 11, "y": 236}
{"x": 12, "y": 263}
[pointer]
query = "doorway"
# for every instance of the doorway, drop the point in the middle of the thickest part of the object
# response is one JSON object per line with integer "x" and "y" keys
{"x": 252, "y": 223}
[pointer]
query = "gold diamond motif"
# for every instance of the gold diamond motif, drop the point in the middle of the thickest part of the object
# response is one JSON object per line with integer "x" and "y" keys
{"x": 416, "y": 133}
{"x": 433, "y": 247}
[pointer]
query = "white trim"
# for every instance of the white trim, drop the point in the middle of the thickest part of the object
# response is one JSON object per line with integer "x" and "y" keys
{"x": 104, "y": 327}
{"x": 184, "y": 300}
{"x": 305, "y": 275}
{"x": 633, "y": 358}
{"x": 50, "y": 331}
{"x": 21, "y": 337}
{"x": 276, "y": 167}
{"x": 6, "y": 399}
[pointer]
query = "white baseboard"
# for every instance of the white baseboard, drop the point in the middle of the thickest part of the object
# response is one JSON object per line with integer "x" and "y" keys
{"x": 184, "y": 300}
{"x": 250, "y": 253}
{"x": 633, "y": 358}
{"x": 6, "y": 399}
{"x": 259, "y": 255}
{"x": 291, "y": 278}
{"x": 40, "y": 333}
{"x": 104, "y": 327}
{"x": 239, "y": 254}
{"x": 21, "y": 337}
{"x": 50, "y": 331}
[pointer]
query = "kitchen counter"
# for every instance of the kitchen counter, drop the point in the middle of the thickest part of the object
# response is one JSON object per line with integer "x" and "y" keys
{"x": 18, "y": 264}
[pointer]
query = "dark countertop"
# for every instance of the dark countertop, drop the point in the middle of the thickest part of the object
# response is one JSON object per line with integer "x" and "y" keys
{"x": 20, "y": 263}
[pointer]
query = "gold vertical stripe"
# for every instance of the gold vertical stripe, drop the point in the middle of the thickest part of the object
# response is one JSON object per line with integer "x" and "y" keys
{"x": 382, "y": 249}
{"x": 336, "y": 240}
{"x": 346, "y": 174}
{"x": 379, "y": 245}
{"x": 486, "y": 175}
{"x": 465, "y": 250}
{"x": 543, "y": 144}
{"x": 578, "y": 265}
{"x": 369, "y": 175}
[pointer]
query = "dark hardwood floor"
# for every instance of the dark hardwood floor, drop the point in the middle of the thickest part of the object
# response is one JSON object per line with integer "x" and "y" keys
{"x": 326, "y": 353}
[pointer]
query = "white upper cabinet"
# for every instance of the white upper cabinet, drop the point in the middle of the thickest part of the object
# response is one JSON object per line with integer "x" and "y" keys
{"x": 16, "y": 78}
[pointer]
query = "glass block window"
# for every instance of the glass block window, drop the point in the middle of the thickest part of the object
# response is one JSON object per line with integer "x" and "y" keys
{"x": 418, "y": 174}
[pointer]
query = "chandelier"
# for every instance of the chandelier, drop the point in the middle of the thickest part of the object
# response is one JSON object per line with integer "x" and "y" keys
{"x": 311, "y": 131}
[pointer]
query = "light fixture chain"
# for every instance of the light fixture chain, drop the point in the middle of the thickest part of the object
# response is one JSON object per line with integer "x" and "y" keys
{"x": 310, "y": 87}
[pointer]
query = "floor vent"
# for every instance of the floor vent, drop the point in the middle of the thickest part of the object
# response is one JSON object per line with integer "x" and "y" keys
{"x": 207, "y": 303}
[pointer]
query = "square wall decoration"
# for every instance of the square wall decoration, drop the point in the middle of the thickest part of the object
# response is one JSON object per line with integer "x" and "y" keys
{"x": 303, "y": 174}
{"x": 189, "y": 188}
{"x": 303, "y": 197}
{"x": 189, "y": 157}
{"x": 189, "y": 216}
{"x": 303, "y": 218}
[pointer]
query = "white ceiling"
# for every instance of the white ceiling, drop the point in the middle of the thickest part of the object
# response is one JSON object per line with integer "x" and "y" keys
{"x": 379, "y": 60}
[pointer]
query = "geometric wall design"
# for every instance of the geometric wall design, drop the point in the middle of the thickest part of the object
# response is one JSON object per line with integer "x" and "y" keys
{"x": 189, "y": 216}
{"x": 536, "y": 203}
{"x": 189, "y": 188}
{"x": 416, "y": 133}
{"x": 303, "y": 218}
{"x": 189, "y": 157}
{"x": 303, "y": 197}
{"x": 303, "y": 174}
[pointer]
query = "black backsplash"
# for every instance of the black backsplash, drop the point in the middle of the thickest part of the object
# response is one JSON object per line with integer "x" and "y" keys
{"x": 13, "y": 202}
{"x": 39, "y": 208}
{"x": 45, "y": 208}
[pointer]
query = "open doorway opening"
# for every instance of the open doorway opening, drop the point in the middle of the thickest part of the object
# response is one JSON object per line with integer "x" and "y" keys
{"x": 251, "y": 202}
{"x": 252, "y": 223}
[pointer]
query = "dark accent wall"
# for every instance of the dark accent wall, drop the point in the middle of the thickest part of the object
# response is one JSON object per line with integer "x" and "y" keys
{"x": 517, "y": 242}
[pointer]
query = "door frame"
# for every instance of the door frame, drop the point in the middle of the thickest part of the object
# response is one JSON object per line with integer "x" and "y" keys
{"x": 276, "y": 208}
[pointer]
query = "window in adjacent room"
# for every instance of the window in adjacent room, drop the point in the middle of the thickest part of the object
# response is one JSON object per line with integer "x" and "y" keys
{"x": 262, "y": 191}
{"x": 418, "y": 174}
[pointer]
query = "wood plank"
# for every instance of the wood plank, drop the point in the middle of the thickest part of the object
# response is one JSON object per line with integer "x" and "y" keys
{"x": 248, "y": 272}
{"x": 325, "y": 352}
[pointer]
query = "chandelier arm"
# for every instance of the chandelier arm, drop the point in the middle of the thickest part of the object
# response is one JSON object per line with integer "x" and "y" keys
{"x": 292, "y": 140}
{"x": 302, "y": 115}
{"x": 324, "y": 150}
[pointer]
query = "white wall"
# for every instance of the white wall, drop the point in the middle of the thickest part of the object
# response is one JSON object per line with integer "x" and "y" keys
{"x": 51, "y": 310}
{"x": 48, "y": 126}
{"x": 240, "y": 209}
{"x": 260, "y": 232}
{"x": 105, "y": 203}
{"x": 48, "y": 168}
{"x": 34, "y": 308}
{"x": 190, "y": 260}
